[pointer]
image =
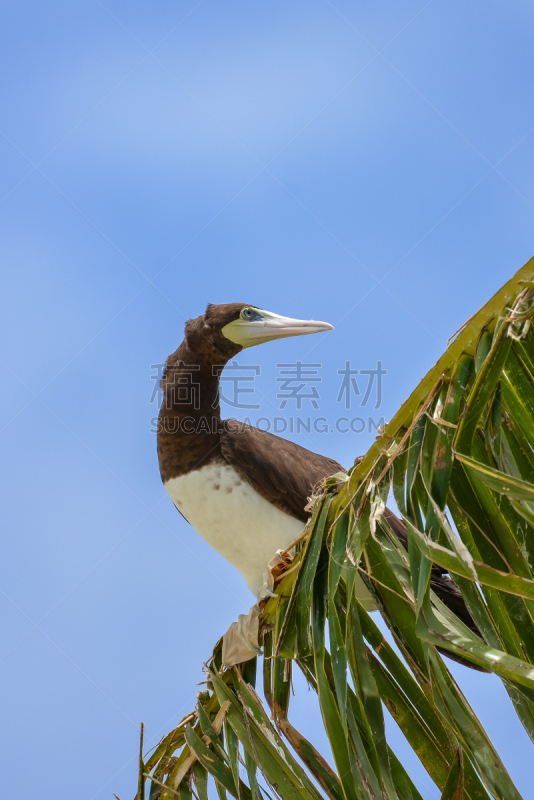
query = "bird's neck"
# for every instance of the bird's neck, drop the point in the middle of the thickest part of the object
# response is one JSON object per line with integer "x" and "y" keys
{"x": 190, "y": 384}
{"x": 190, "y": 415}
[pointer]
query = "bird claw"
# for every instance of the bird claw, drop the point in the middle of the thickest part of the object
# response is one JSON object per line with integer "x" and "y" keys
{"x": 266, "y": 589}
{"x": 266, "y": 592}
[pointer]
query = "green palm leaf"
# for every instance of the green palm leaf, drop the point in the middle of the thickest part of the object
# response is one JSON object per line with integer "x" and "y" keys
{"x": 458, "y": 458}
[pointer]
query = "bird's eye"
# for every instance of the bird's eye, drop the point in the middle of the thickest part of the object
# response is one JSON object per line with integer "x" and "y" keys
{"x": 247, "y": 313}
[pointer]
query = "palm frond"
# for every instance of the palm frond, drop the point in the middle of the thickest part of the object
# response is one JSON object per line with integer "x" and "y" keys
{"x": 458, "y": 459}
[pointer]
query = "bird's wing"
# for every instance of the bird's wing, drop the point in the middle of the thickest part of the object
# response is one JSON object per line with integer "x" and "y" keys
{"x": 284, "y": 473}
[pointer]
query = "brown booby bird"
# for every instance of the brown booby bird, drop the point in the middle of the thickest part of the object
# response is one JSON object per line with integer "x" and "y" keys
{"x": 244, "y": 490}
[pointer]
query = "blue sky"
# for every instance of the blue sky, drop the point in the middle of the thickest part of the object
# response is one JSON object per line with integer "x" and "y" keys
{"x": 369, "y": 164}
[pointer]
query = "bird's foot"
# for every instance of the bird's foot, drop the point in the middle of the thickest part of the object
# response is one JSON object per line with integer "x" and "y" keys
{"x": 276, "y": 567}
{"x": 270, "y": 576}
{"x": 265, "y": 592}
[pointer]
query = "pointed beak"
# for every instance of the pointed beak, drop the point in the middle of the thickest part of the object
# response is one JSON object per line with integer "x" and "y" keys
{"x": 270, "y": 327}
{"x": 280, "y": 327}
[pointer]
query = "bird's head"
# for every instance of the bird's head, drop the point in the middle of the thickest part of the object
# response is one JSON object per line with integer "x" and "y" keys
{"x": 246, "y": 325}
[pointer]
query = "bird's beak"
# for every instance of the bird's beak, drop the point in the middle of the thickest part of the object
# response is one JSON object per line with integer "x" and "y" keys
{"x": 269, "y": 327}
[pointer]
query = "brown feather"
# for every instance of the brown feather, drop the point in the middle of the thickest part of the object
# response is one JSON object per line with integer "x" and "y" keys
{"x": 282, "y": 472}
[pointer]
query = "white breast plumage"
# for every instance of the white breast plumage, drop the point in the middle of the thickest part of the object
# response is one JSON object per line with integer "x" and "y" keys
{"x": 233, "y": 518}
